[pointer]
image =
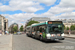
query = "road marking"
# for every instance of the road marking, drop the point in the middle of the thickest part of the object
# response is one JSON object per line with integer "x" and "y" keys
{"x": 69, "y": 41}
{"x": 10, "y": 45}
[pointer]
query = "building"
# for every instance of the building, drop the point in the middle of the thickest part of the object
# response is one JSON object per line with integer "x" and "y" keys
{"x": 3, "y": 24}
{"x": 67, "y": 22}
{"x": 11, "y": 27}
{"x": 39, "y": 19}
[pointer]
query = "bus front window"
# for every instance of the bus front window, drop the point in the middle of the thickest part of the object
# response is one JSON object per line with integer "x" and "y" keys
{"x": 55, "y": 28}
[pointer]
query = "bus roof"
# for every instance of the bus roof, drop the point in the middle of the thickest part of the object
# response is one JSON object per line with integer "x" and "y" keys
{"x": 27, "y": 26}
{"x": 37, "y": 24}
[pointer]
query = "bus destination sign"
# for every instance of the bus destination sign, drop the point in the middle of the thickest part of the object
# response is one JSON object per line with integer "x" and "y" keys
{"x": 54, "y": 22}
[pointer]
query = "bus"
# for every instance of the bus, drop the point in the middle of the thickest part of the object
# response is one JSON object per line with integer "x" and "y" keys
{"x": 49, "y": 30}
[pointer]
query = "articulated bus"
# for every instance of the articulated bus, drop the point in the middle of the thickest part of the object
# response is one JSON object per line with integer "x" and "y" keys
{"x": 49, "y": 30}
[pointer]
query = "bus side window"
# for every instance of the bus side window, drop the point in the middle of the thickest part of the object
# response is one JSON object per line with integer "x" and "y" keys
{"x": 34, "y": 28}
{"x": 40, "y": 29}
{"x": 43, "y": 30}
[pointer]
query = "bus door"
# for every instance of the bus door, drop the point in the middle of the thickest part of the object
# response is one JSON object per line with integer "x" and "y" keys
{"x": 37, "y": 31}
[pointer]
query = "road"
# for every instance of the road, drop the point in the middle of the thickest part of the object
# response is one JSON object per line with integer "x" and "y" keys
{"x": 22, "y": 42}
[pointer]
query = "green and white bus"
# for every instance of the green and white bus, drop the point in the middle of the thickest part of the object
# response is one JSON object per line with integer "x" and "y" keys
{"x": 49, "y": 30}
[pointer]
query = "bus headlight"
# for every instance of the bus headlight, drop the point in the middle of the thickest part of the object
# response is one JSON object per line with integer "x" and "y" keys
{"x": 62, "y": 34}
{"x": 48, "y": 36}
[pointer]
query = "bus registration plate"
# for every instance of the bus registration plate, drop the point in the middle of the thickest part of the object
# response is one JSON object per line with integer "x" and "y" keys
{"x": 56, "y": 39}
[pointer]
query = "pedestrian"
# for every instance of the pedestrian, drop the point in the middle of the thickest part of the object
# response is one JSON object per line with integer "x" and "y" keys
{"x": 5, "y": 32}
{"x": 69, "y": 31}
{"x": 8, "y": 32}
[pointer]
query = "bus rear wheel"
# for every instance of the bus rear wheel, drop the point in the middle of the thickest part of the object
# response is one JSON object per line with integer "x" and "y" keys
{"x": 33, "y": 36}
{"x": 27, "y": 35}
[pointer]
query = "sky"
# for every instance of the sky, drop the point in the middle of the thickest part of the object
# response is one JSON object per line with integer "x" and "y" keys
{"x": 19, "y": 11}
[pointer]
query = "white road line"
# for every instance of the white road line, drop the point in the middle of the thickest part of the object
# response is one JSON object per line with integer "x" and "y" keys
{"x": 69, "y": 41}
{"x": 10, "y": 45}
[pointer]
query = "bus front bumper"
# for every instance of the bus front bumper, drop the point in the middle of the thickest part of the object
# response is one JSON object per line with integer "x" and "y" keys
{"x": 55, "y": 38}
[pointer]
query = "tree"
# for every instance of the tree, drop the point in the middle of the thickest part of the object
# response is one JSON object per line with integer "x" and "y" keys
{"x": 15, "y": 29}
{"x": 32, "y": 22}
{"x": 72, "y": 27}
{"x": 64, "y": 27}
{"x": 21, "y": 28}
{"x": 67, "y": 28}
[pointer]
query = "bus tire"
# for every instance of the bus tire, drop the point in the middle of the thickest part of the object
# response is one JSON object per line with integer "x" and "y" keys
{"x": 32, "y": 36}
{"x": 41, "y": 38}
{"x": 27, "y": 35}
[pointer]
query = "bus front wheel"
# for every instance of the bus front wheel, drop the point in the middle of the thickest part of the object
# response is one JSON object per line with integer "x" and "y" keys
{"x": 41, "y": 38}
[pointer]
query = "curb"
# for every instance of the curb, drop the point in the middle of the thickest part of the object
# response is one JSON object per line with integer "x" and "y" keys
{"x": 69, "y": 37}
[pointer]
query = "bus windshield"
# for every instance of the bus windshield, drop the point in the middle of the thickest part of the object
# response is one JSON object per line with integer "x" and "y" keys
{"x": 55, "y": 29}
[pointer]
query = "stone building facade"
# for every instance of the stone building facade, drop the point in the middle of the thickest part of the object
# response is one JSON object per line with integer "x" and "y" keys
{"x": 67, "y": 22}
{"x": 3, "y": 24}
{"x": 11, "y": 27}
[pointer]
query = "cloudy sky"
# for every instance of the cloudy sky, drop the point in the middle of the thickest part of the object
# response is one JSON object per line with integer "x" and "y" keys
{"x": 20, "y": 11}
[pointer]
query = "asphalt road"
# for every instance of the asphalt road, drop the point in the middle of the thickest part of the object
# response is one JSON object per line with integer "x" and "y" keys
{"x": 22, "y": 42}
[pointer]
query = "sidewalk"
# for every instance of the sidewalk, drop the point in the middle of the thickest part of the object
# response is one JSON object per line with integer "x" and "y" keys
{"x": 70, "y": 36}
{"x": 6, "y": 42}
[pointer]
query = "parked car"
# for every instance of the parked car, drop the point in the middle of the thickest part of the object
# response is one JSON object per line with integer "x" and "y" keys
{"x": 18, "y": 33}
